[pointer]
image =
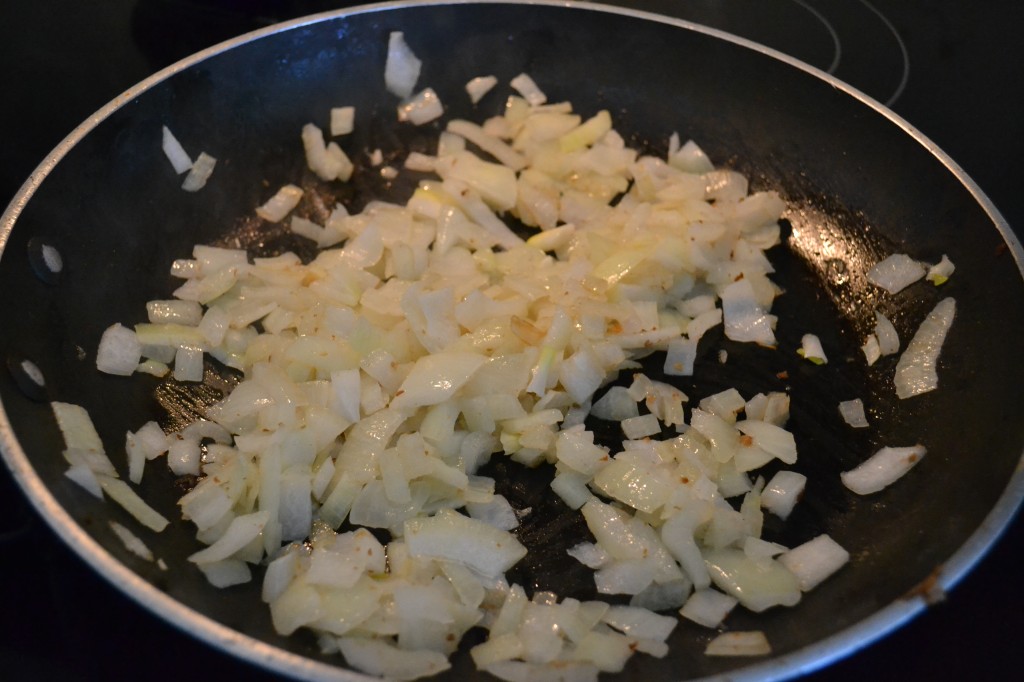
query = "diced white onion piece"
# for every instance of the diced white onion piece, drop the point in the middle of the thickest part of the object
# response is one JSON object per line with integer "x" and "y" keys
{"x": 758, "y": 585}
{"x": 136, "y": 458}
{"x": 895, "y": 273}
{"x": 281, "y": 204}
{"x": 553, "y": 239}
{"x": 708, "y": 607}
{"x": 636, "y": 428}
{"x": 152, "y": 440}
{"x": 690, "y": 158}
{"x": 680, "y": 357}
{"x": 131, "y": 541}
{"x": 174, "y": 312}
{"x": 86, "y": 478}
{"x": 882, "y": 469}
{"x": 119, "y": 351}
{"x": 421, "y": 108}
{"x": 916, "y": 368}
{"x": 814, "y": 561}
{"x": 495, "y": 183}
{"x": 498, "y": 513}
{"x": 503, "y": 153}
{"x": 435, "y": 378}
{"x": 240, "y": 532}
{"x": 810, "y": 349}
{"x": 663, "y": 596}
{"x": 417, "y": 161}
{"x": 615, "y": 405}
{"x": 587, "y": 133}
{"x": 782, "y": 493}
{"x": 589, "y": 554}
{"x": 640, "y": 623}
{"x": 853, "y": 413}
{"x": 77, "y": 428}
{"x": 888, "y": 339}
{"x": 342, "y": 120}
{"x": 571, "y": 486}
{"x": 450, "y": 536}
{"x": 201, "y": 171}
{"x": 744, "y": 318}
{"x": 188, "y": 364}
{"x": 771, "y": 438}
{"x": 872, "y": 351}
{"x": 176, "y": 154}
{"x": 747, "y": 643}
{"x": 226, "y": 572}
{"x": 402, "y": 68}
{"x": 940, "y": 273}
{"x": 184, "y": 456}
{"x": 120, "y": 492}
{"x": 526, "y": 87}
{"x": 328, "y": 161}
{"x": 477, "y": 87}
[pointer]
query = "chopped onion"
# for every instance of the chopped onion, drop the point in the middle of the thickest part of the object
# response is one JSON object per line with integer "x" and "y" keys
{"x": 758, "y": 585}
{"x": 782, "y": 493}
{"x": 377, "y": 377}
{"x": 488, "y": 143}
{"x": 895, "y": 273}
{"x": 853, "y": 413}
{"x": 453, "y": 537}
{"x": 86, "y": 478}
{"x": 402, "y": 68}
{"x": 480, "y": 86}
{"x": 342, "y": 120}
{"x": 200, "y": 172}
{"x": 378, "y": 657}
{"x": 814, "y": 561}
{"x": 180, "y": 160}
{"x": 810, "y": 349}
{"x": 79, "y": 432}
{"x": 916, "y": 369}
{"x": 120, "y": 492}
{"x": 940, "y": 273}
{"x": 119, "y": 351}
{"x": 328, "y": 161}
{"x": 281, "y": 204}
{"x": 526, "y": 87}
{"x": 422, "y": 108}
{"x": 882, "y": 469}
{"x": 872, "y": 350}
{"x": 131, "y": 541}
{"x": 708, "y": 607}
{"x": 888, "y": 339}
{"x": 749, "y": 643}
{"x": 744, "y": 317}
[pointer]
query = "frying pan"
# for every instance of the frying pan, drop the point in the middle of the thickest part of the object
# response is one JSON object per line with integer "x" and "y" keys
{"x": 860, "y": 183}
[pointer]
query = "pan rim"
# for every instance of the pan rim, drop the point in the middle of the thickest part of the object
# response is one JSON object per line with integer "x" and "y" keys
{"x": 807, "y": 659}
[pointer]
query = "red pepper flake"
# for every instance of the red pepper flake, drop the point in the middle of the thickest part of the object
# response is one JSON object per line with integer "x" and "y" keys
{"x": 782, "y": 375}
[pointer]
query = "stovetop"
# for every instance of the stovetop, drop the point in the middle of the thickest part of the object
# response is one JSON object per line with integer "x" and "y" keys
{"x": 948, "y": 67}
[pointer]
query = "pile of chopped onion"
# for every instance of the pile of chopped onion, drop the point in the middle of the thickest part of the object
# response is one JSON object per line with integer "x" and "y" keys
{"x": 380, "y": 376}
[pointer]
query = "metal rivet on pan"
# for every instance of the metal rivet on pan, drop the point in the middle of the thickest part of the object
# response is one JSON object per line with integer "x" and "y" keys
{"x": 27, "y": 377}
{"x": 45, "y": 260}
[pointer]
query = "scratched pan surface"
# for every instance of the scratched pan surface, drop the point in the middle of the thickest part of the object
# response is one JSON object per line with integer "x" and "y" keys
{"x": 859, "y": 183}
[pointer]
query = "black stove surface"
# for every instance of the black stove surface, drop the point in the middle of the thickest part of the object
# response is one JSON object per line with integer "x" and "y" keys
{"x": 948, "y": 67}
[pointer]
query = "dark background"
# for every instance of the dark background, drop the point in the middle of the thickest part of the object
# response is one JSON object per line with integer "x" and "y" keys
{"x": 63, "y": 59}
